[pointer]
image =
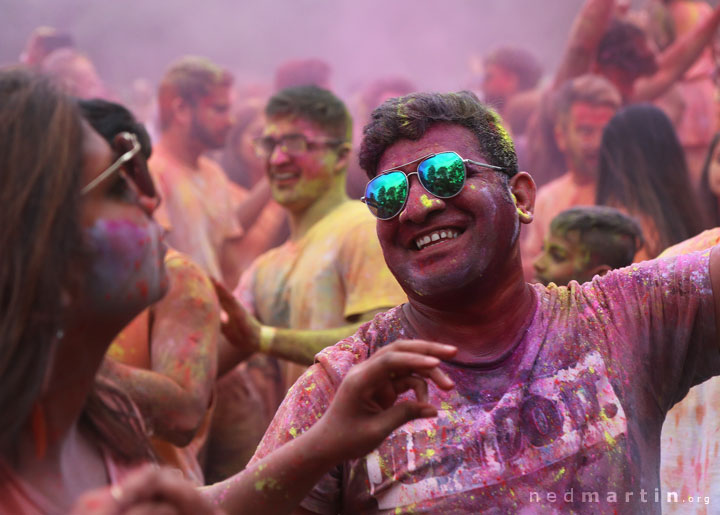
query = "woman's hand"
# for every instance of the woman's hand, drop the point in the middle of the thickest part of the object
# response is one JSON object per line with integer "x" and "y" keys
{"x": 147, "y": 491}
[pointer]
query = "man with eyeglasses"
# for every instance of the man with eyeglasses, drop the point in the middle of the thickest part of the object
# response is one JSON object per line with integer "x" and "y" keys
{"x": 318, "y": 287}
{"x": 560, "y": 391}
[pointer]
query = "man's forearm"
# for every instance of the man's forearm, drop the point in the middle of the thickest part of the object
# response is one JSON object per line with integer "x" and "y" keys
{"x": 300, "y": 346}
{"x": 278, "y": 482}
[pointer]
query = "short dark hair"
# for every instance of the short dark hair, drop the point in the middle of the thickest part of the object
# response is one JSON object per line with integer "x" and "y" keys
{"x": 620, "y": 47}
{"x": 109, "y": 119}
{"x": 518, "y": 61}
{"x": 611, "y": 237}
{"x": 313, "y": 104}
{"x": 410, "y": 116}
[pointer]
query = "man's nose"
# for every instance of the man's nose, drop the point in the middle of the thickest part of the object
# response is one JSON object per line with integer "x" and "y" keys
{"x": 278, "y": 156}
{"x": 420, "y": 203}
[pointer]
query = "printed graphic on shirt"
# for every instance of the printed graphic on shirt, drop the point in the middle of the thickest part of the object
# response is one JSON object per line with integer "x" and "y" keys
{"x": 530, "y": 428}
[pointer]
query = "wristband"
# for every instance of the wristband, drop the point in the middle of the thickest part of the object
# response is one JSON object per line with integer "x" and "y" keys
{"x": 267, "y": 335}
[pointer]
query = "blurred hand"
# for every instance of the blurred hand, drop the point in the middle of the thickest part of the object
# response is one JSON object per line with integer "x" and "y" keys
{"x": 147, "y": 491}
{"x": 241, "y": 329}
{"x": 363, "y": 412}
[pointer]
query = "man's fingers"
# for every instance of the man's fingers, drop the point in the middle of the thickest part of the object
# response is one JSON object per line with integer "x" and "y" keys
{"x": 403, "y": 412}
{"x": 439, "y": 350}
{"x": 227, "y": 300}
{"x": 396, "y": 364}
{"x": 417, "y": 384}
{"x": 163, "y": 484}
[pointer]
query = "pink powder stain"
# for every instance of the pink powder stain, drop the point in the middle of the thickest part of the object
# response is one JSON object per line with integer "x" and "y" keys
{"x": 699, "y": 413}
{"x": 143, "y": 288}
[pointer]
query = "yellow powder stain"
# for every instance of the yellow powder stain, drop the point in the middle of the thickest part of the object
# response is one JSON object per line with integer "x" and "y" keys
{"x": 445, "y": 406}
{"x": 293, "y": 432}
{"x": 560, "y": 474}
{"x": 514, "y": 198}
{"x": 428, "y": 454}
{"x": 472, "y": 187}
{"x": 432, "y": 433}
{"x": 426, "y": 201}
{"x": 592, "y": 371}
{"x": 310, "y": 388}
{"x": 609, "y": 439}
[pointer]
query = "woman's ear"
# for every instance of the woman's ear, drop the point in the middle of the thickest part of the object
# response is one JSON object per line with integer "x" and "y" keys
{"x": 522, "y": 189}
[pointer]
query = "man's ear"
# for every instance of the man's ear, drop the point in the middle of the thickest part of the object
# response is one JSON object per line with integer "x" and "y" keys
{"x": 522, "y": 188}
{"x": 344, "y": 152}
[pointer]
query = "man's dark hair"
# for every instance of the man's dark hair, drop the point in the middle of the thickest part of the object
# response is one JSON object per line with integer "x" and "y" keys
{"x": 315, "y": 105}
{"x": 624, "y": 46}
{"x": 410, "y": 116}
{"x": 611, "y": 237}
{"x": 519, "y": 62}
{"x": 109, "y": 119}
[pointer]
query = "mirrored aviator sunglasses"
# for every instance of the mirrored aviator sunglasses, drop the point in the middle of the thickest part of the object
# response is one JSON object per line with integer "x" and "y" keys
{"x": 442, "y": 175}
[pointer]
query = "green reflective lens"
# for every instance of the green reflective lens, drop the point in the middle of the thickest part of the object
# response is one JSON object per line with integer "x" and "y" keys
{"x": 443, "y": 174}
{"x": 386, "y": 194}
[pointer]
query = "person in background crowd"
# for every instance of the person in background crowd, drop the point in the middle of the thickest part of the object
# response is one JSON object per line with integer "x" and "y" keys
{"x": 326, "y": 280}
{"x": 195, "y": 104}
{"x": 42, "y": 42}
{"x": 586, "y": 241}
{"x": 509, "y": 71}
{"x": 643, "y": 173}
{"x": 303, "y": 72}
{"x": 583, "y": 106}
{"x": 75, "y": 73}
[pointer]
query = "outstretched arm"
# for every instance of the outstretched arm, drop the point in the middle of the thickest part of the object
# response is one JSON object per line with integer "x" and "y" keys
{"x": 244, "y": 335}
{"x": 588, "y": 29}
{"x": 677, "y": 59}
{"x": 362, "y": 414}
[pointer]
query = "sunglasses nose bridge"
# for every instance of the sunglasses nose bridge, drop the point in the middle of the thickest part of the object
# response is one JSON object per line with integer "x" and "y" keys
{"x": 420, "y": 202}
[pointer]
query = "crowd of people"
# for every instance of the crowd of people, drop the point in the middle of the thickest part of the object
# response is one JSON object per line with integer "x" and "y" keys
{"x": 232, "y": 298}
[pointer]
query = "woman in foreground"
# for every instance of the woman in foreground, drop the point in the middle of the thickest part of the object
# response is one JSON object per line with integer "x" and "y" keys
{"x": 82, "y": 257}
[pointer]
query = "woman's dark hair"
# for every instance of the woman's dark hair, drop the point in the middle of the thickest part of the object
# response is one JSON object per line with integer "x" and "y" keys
{"x": 643, "y": 170}
{"x": 707, "y": 197}
{"x": 109, "y": 119}
{"x": 41, "y": 154}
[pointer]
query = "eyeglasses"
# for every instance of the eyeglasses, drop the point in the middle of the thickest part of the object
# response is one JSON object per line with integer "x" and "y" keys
{"x": 133, "y": 168}
{"x": 442, "y": 175}
{"x": 291, "y": 144}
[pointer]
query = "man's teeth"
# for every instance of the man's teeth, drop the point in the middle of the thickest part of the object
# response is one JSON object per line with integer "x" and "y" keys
{"x": 284, "y": 176}
{"x": 435, "y": 237}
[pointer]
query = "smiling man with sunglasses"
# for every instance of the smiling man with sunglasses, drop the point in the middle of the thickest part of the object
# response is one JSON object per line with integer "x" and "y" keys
{"x": 560, "y": 391}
